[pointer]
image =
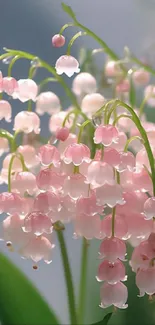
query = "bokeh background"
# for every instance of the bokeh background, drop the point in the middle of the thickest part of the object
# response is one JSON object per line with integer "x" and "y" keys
{"x": 29, "y": 25}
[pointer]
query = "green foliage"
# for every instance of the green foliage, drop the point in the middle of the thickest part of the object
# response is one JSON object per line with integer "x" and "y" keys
{"x": 20, "y": 303}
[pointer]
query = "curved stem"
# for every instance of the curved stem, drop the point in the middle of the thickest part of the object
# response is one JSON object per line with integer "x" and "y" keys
{"x": 17, "y": 57}
{"x": 143, "y": 65}
{"x": 9, "y": 172}
{"x": 141, "y": 109}
{"x": 113, "y": 221}
{"x": 81, "y": 130}
{"x": 5, "y": 134}
{"x": 143, "y": 135}
{"x": 83, "y": 278}
{"x": 73, "y": 39}
{"x": 64, "y": 27}
{"x": 119, "y": 117}
{"x": 135, "y": 137}
{"x": 46, "y": 81}
{"x": 68, "y": 278}
{"x": 49, "y": 68}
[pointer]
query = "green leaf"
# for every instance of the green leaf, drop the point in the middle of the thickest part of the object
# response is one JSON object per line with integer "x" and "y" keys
{"x": 132, "y": 93}
{"x": 20, "y": 303}
{"x": 105, "y": 320}
{"x": 69, "y": 11}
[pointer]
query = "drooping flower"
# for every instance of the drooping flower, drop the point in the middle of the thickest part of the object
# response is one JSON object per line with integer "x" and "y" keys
{"x": 67, "y": 64}
{"x": 27, "y": 122}
{"x": 10, "y": 85}
{"x": 91, "y": 103}
{"x": 49, "y": 155}
{"x": 27, "y": 90}
{"x": 106, "y": 134}
{"x": 141, "y": 77}
{"x": 47, "y": 102}
{"x": 111, "y": 272}
{"x": 84, "y": 83}
{"x": 4, "y": 146}
{"x": 76, "y": 153}
{"x": 114, "y": 294}
{"x": 112, "y": 249}
{"x": 5, "y": 110}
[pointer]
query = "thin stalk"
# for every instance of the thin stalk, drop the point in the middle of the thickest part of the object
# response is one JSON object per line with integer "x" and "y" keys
{"x": 83, "y": 282}
{"x": 9, "y": 172}
{"x": 68, "y": 278}
{"x": 113, "y": 221}
{"x": 135, "y": 137}
{"x": 73, "y": 39}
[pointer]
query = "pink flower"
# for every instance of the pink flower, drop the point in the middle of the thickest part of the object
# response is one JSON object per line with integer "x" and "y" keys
{"x": 16, "y": 167}
{"x": 99, "y": 173}
{"x": 87, "y": 226}
{"x": 10, "y": 85}
{"x": 121, "y": 226}
{"x": 141, "y": 77}
{"x": 76, "y": 153}
{"x": 67, "y": 211}
{"x": 75, "y": 186}
{"x": 29, "y": 154}
{"x": 112, "y": 249}
{"x": 57, "y": 119}
{"x": 114, "y": 294}
{"x": 38, "y": 248}
{"x": 10, "y": 203}
{"x": 111, "y": 272}
{"x": 138, "y": 226}
{"x": 127, "y": 161}
{"x": 123, "y": 86}
{"x": 24, "y": 182}
{"x": 27, "y": 122}
{"x": 5, "y": 110}
{"x": 91, "y": 103}
{"x": 111, "y": 156}
{"x": 62, "y": 133}
{"x": 12, "y": 231}
{"x": 37, "y": 223}
{"x": 72, "y": 138}
{"x": 84, "y": 83}
{"x": 121, "y": 142}
{"x": 48, "y": 179}
{"x": 47, "y": 102}
{"x": 88, "y": 205}
{"x": 110, "y": 194}
{"x": 149, "y": 208}
{"x": 46, "y": 202}
{"x": 67, "y": 64}
{"x": 49, "y": 155}
{"x": 149, "y": 93}
{"x": 27, "y": 90}
{"x": 106, "y": 134}
{"x": 4, "y": 146}
{"x": 141, "y": 256}
{"x": 112, "y": 69}
{"x": 145, "y": 281}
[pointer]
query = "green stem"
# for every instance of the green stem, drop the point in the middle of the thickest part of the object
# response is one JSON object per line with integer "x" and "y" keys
{"x": 68, "y": 278}
{"x": 17, "y": 57}
{"x": 135, "y": 137}
{"x": 29, "y": 106}
{"x": 143, "y": 65}
{"x": 143, "y": 133}
{"x": 46, "y": 81}
{"x": 73, "y": 39}
{"x": 119, "y": 117}
{"x": 81, "y": 130}
{"x": 141, "y": 109}
{"x": 49, "y": 68}
{"x": 5, "y": 134}
{"x": 83, "y": 278}
{"x": 9, "y": 172}
{"x": 113, "y": 221}
{"x": 64, "y": 27}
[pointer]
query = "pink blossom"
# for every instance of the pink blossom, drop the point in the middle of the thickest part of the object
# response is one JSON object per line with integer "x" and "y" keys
{"x": 5, "y": 110}
{"x": 37, "y": 223}
{"x": 38, "y": 248}
{"x": 16, "y": 167}
{"x": 57, "y": 119}
{"x": 72, "y": 138}
{"x": 10, "y": 203}
{"x": 67, "y": 211}
{"x": 75, "y": 186}
{"x": 4, "y": 146}
{"x": 88, "y": 226}
{"x": 99, "y": 173}
{"x": 141, "y": 256}
{"x": 145, "y": 281}
{"x": 29, "y": 154}
{"x": 1, "y": 82}
{"x": 111, "y": 156}
{"x": 46, "y": 202}
{"x": 84, "y": 83}
{"x": 112, "y": 69}
{"x": 110, "y": 194}
{"x": 10, "y": 85}
{"x": 149, "y": 93}
{"x": 114, "y": 294}
{"x": 27, "y": 90}
{"x": 91, "y": 103}
{"x": 111, "y": 272}
{"x": 76, "y": 153}
{"x": 49, "y": 155}
{"x": 138, "y": 226}
{"x": 67, "y": 64}
{"x": 48, "y": 179}
{"x": 88, "y": 205}
{"x": 58, "y": 40}
{"x": 149, "y": 208}
{"x": 24, "y": 182}
{"x": 123, "y": 86}
{"x": 121, "y": 142}
{"x": 121, "y": 226}
{"x": 141, "y": 77}
{"x": 106, "y": 134}
{"x": 27, "y": 122}
{"x": 127, "y": 161}
{"x": 47, "y": 102}
{"x": 12, "y": 231}
{"x": 112, "y": 249}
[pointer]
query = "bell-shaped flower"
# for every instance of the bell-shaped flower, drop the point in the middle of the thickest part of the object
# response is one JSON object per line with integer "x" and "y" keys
{"x": 27, "y": 122}
{"x": 112, "y": 249}
{"x": 27, "y": 90}
{"x": 67, "y": 64}
{"x": 47, "y": 102}
{"x": 10, "y": 85}
{"x": 5, "y": 110}
{"x": 114, "y": 294}
{"x": 76, "y": 153}
{"x": 111, "y": 272}
{"x": 49, "y": 154}
{"x": 4, "y": 146}
{"x": 84, "y": 83}
{"x": 110, "y": 194}
{"x": 106, "y": 134}
{"x": 37, "y": 223}
{"x": 145, "y": 281}
{"x": 91, "y": 103}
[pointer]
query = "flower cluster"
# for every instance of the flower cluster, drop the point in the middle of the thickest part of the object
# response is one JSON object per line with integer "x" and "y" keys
{"x": 96, "y": 170}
